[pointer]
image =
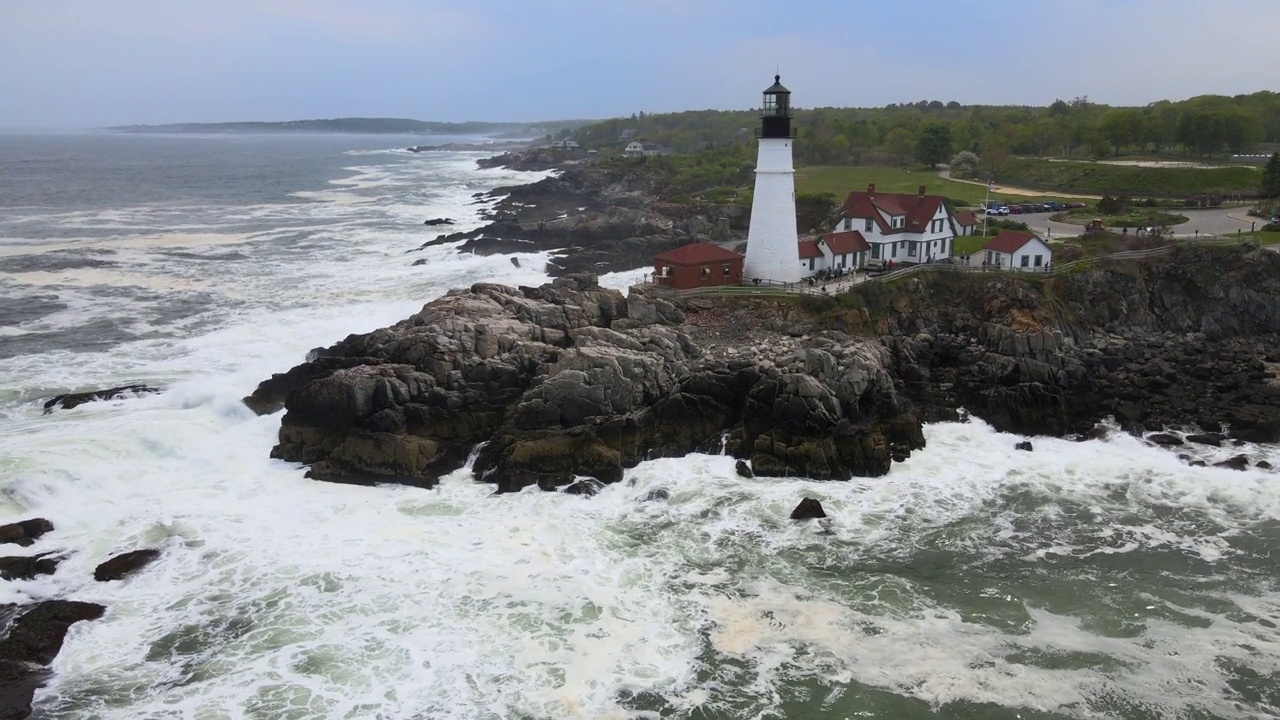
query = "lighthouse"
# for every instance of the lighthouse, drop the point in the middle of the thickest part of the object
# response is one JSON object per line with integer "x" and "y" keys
{"x": 773, "y": 250}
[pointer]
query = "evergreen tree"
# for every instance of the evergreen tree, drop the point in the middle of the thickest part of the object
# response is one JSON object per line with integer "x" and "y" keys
{"x": 1271, "y": 177}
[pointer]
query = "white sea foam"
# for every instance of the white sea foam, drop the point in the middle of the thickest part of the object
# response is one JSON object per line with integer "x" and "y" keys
{"x": 281, "y": 597}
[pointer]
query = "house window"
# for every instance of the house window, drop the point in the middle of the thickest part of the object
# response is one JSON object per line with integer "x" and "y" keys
{"x": 848, "y": 223}
{"x": 706, "y": 271}
{"x": 911, "y": 250}
{"x": 867, "y": 227}
{"x": 1039, "y": 260}
{"x": 935, "y": 226}
{"x": 945, "y": 241}
{"x": 875, "y": 251}
{"x": 1026, "y": 260}
{"x": 811, "y": 263}
{"x": 988, "y": 257}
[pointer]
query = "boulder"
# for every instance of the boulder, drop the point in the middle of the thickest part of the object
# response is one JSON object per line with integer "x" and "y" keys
{"x": 1239, "y": 462}
{"x": 743, "y": 469}
{"x": 1263, "y": 465}
{"x": 32, "y": 638}
{"x": 586, "y": 487}
{"x": 26, "y": 568}
{"x": 70, "y": 400}
{"x": 24, "y": 532}
{"x": 656, "y": 495}
{"x": 808, "y": 509}
{"x": 515, "y": 261}
{"x": 1211, "y": 439}
{"x": 1024, "y": 445}
{"x": 438, "y": 221}
{"x": 1165, "y": 439}
{"x": 125, "y": 564}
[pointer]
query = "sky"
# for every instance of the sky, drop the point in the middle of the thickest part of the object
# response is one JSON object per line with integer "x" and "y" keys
{"x": 91, "y": 63}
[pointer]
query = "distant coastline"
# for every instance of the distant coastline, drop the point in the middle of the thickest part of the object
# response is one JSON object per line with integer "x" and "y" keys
{"x": 387, "y": 126}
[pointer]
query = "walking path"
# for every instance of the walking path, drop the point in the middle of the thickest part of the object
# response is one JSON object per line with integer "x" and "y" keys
{"x": 946, "y": 175}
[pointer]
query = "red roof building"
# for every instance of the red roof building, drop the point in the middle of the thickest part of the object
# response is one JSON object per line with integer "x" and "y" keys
{"x": 1018, "y": 250}
{"x": 901, "y": 227}
{"x": 697, "y": 265}
{"x": 966, "y": 221}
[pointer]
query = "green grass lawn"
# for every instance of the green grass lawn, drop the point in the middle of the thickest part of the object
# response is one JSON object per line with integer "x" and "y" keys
{"x": 840, "y": 180}
{"x": 1266, "y": 237}
{"x": 1127, "y": 180}
{"x": 970, "y": 245}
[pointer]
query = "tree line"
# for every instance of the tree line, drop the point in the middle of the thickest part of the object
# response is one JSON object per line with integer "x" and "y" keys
{"x": 932, "y": 132}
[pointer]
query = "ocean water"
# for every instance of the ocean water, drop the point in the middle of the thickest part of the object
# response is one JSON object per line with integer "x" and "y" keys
{"x": 1104, "y": 579}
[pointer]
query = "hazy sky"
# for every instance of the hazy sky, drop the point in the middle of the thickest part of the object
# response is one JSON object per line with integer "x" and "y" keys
{"x": 82, "y": 63}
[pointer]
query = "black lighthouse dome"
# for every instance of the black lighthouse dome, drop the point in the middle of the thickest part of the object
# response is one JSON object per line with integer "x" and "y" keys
{"x": 775, "y": 116}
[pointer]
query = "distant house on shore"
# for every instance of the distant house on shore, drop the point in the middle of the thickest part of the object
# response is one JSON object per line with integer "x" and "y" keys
{"x": 1017, "y": 250}
{"x": 697, "y": 265}
{"x": 966, "y": 222}
{"x": 566, "y": 144}
{"x": 904, "y": 228}
{"x": 635, "y": 148}
{"x": 628, "y": 134}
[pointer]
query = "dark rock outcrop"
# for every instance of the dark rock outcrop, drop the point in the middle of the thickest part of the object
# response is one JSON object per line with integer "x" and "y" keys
{"x": 596, "y": 217}
{"x": 1238, "y": 462}
{"x": 1165, "y": 439}
{"x": 70, "y": 400}
{"x": 808, "y": 509}
{"x": 1175, "y": 341}
{"x": 1024, "y": 445}
{"x": 656, "y": 495}
{"x": 28, "y": 567}
{"x": 124, "y": 564}
{"x": 32, "y": 638}
{"x": 438, "y": 221}
{"x": 569, "y": 379}
{"x": 743, "y": 469}
{"x": 24, "y": 532}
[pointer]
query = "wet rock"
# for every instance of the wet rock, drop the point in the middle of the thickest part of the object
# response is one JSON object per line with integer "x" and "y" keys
{"x": 1024, "y": 445}
{"x": 1165, "y": 439}
{"x": 1097, "y": 432}
{"x": 743, "y": 469}
{"x": 24, "y": 532}
{"x": 808, "y": 509}
{"x": 1211, "y": 439}
{"x": 515, "y": 261}
{"x": 1198, "y": 463}
{"x": 123, "y": 565}
{"x": 438, "y": 221}
{"x": 1239, "y": 462}
{"x": 26, "y": 568}
{"x": 70, "y": 400}
{"x": 586, "y": 487}
{"x": 572, "y": 380}
{"x": 656, "y": 495}
{"x": 32, "y": 639}
{"x": 1262, "y": 465}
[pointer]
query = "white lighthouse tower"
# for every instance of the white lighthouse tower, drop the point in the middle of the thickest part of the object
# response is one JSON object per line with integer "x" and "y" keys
{"x": 773, "y": 250}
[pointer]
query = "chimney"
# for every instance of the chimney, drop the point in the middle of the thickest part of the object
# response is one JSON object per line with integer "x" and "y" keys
{"x": 921, "y": 195}
{"x": 871, "y": 189}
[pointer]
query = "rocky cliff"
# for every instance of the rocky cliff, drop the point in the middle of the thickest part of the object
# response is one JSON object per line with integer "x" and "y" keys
{"x": 597, "y": 216}
{"x": 1191, "y": 338}
{"x": 569, "y": 380}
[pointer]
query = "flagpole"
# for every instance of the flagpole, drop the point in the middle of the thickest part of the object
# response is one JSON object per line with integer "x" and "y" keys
{"x": 987, "y": 204}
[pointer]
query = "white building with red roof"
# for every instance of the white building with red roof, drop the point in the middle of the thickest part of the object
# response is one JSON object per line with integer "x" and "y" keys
{"x": 907, "y": 229}
{"x": 1016, "y": 250}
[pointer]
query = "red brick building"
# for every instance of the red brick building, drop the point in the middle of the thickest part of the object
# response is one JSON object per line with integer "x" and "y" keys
{"x": 697, "y": 265}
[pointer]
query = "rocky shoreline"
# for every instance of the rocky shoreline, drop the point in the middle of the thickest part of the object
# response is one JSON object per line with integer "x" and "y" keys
{"x": 595, "y": 217}
{"x": 31, "y": 634}
{"x": 570, "y": 382}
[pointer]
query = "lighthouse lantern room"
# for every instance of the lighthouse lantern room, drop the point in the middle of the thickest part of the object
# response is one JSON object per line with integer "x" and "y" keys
{"x": 773, "y": 250}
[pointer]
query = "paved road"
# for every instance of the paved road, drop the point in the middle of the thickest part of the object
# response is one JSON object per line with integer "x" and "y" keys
{"x": 1219, "y": 221}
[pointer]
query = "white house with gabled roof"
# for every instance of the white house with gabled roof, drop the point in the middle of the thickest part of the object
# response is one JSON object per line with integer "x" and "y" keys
{"x": 906, "y": 229}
